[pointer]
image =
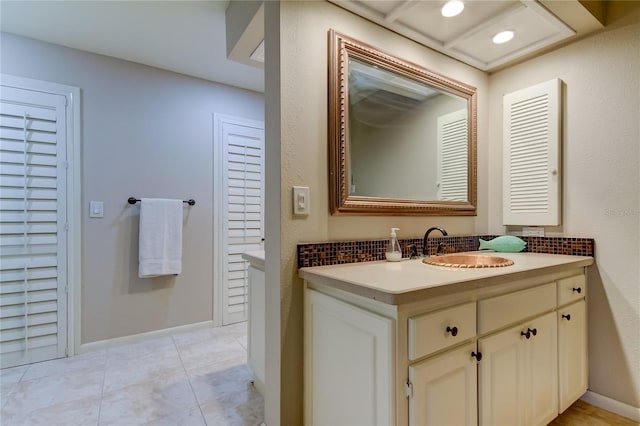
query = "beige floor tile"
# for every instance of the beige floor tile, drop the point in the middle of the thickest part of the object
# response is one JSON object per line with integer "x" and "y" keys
{"x": 54, "y": 389}
{"x": 115, "y": 379}
{"x": 9, "y": 379}
{"x": 80, "y": 412}
{"x": 243, "y": 408}
{"x": 222, "y": 349}
{"x": 164, "y": 346}
{"x": 220, "y": 380}
{"x": 92, "y": 360}
{"x": 161, "y": 399}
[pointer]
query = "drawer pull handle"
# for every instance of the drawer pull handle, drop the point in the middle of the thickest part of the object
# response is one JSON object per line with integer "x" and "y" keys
{"x": 453, "y": 331}
{"x": 527, "y": 334}
{"x": 577, "y": 290}
{"x": 568, "y": 317}
{"x": 533, "y": 331}
{"x": 477, "y": 355}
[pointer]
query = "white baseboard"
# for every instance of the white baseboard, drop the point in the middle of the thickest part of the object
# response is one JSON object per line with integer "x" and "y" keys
{"x": 612, "y": 405}
{"x": 135, "y": 338}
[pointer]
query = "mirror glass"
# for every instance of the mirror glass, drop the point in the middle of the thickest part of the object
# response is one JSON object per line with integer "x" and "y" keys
{"x": 402, "y": 139}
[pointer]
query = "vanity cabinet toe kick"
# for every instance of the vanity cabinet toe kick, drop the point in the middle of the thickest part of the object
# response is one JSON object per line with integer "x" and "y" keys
{"x": 505, "y": 353}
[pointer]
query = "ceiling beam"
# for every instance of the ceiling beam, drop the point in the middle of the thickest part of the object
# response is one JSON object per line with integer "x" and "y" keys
{"x": 399, "y": 10}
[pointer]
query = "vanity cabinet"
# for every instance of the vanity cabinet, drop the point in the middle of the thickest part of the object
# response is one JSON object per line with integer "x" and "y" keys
{"x": 256, "y": 329}
{"x": 256, "y": 319}
{"x": 498, "y": 352}
{"x": 348, "y": 364}
{"x": 572, "y": 353}
{"x": 518, "y": 374}
{"x": 434, "y": 331}
{"x": 443, "y": 389}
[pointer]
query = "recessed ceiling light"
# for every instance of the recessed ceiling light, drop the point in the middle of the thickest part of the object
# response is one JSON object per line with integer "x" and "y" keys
{"x": 503, "y": 37}
{"x": 452, "y": 8}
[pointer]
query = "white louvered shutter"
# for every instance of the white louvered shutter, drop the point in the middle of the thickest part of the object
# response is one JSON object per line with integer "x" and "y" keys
{"x": 243, "y": 199}
{"x": 453, "y": 156}
{"x": 33, "y": 242}
{"x": 531, "y": 155}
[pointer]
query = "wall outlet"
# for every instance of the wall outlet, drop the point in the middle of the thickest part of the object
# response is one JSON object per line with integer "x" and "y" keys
{"x": 533, "y": 231}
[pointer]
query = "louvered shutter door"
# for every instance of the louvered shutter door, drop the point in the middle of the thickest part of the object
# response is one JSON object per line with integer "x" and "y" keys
{"x": 33, "y": 219}
{"x": 531, "y": 155}
{"x": 244, "y": 178}
{"x": 453, "y": 156}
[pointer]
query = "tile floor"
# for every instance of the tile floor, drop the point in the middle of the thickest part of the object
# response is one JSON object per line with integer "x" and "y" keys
{"x": 197, "y": 378}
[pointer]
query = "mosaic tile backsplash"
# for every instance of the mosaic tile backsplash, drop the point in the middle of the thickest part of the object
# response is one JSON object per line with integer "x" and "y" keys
{"x": 340, "y": 252}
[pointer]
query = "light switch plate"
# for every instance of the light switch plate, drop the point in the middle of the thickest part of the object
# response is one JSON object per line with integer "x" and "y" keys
{"x": 96, "y": 209}
{"x": 301, "y": 200}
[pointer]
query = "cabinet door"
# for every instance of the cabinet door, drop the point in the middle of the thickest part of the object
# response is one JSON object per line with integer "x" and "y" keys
{"x": 349, "y": 371}
{"x": 542, "y": 370}
{"x": 445, "y": 389}
{"x": 518, "y": 374}
{"x": 572, "y": 353}
{"x": 502, "y": 378}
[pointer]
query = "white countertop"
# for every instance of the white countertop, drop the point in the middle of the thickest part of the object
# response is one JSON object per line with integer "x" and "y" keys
{"x": 255, "y": 258}
{"x": 395, "y": 282}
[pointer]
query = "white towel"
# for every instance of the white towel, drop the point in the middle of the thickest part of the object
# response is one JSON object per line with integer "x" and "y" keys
{"x": 160, "y": 251}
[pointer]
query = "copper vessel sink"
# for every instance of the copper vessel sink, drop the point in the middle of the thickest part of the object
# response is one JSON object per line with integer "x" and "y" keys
{"x": 468, "y": 261}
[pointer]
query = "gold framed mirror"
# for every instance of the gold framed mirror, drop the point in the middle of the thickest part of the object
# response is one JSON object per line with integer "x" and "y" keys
{"x": 402, "y": 139}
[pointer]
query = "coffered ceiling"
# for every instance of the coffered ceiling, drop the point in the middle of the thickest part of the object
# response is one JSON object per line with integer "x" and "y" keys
{"x": 468, "y": 36}
{"x": 189, "y": 36}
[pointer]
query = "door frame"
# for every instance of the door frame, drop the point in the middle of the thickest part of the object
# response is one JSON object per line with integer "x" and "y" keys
{"x": 218, "y": 226}
{"x": 73, "y": 196}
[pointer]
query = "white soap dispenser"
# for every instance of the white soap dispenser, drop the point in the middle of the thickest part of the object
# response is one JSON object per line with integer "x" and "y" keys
{"x": 393, "y": 253}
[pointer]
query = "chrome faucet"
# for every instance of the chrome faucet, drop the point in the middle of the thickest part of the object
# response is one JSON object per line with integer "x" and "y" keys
{"x": 426, "y": 236}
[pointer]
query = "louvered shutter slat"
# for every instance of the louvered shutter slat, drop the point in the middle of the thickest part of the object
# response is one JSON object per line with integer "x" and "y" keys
{"x": 453, "y": 156}
{"x": 243, "y": 216}
{"x": 32, "y": 141}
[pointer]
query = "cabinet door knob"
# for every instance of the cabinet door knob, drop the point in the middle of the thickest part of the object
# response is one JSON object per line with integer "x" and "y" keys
{"x": 533, "y": 331}
{"x": 477, "y": 355}
{"x": 527, "y": 334}
{"x": 577, "y": 290}
{"x": 568, "y": 317}
{"x": 453, "y": 331}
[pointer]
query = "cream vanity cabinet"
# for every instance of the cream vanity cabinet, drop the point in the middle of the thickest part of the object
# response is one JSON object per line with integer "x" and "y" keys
{"x": 442, "y": 389}
{"x": 256, "y": 318}
{"x": 493, "y": 352}
{"x": 349, "y": 360}
{"x": 572, "y": 340}
{"x": 518, "y": 374}
{"x": 434, "y": 380}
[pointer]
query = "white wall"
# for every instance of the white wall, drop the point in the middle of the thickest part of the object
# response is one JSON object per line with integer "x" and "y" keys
{"x": 601, "y": 186}
{"x": 145, "y": 133}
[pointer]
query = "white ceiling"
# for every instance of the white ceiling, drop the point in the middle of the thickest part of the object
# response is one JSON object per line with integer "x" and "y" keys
{"x": 467, "y": 37}
{"x": 187, "y": 37}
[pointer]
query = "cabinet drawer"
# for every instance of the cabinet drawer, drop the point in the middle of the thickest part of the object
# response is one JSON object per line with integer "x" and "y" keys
{"x": 501, "y": 311}
{"x": 571, "y": 289}
{"x": 431, "y": 332}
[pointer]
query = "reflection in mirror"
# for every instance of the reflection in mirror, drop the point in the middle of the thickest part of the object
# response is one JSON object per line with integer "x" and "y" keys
{"x": 402, "y": 139}
{"x": 399, "y": 127}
